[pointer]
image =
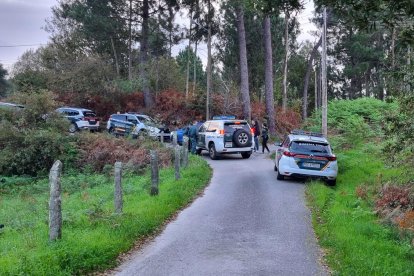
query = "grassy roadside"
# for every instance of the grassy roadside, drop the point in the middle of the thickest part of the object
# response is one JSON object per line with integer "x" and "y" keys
{"x": 93, "y": 236}
{"x": 348, "y": 229}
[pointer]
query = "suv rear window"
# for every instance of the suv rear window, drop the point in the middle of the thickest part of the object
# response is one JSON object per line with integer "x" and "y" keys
{"x": 89, "y": 114}
{"x": 310, "y": 148}
{"x": 230, "y": 127}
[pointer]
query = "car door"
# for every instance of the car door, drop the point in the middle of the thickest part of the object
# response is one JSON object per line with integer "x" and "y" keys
{"x": 201, "y": 141}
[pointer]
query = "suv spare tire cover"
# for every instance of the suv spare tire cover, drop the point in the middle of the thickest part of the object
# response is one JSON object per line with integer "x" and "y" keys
{"x": 242, "y": 138}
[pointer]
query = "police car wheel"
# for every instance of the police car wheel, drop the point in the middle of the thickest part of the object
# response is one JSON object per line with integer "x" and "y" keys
{"x": 280, "y": 176}
{"x": 212, "y": 152}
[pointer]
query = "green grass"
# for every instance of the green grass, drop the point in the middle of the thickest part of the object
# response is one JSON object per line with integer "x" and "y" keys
{"x": 356, "y": 243}
{"x": 92, "y": 236}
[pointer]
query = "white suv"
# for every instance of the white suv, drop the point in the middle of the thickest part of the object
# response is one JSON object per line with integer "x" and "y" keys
{"x": 226, "y": 136}
{"x": 306, "y": 154}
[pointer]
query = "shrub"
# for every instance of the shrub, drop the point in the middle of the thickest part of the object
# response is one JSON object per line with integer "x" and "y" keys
{"x": 34, "y": 137}
{"x": 97, "y": 151}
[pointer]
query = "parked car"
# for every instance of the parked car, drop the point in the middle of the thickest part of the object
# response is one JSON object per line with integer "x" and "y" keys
{"x": 225, "y": 136}
{"x": 80, "y": 118}
{"x": 136, "y": 125}
{"x": 306, "y": 154}
{"x": 11, "y": 105}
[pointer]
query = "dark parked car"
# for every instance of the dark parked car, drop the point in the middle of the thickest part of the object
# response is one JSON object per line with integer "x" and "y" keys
{"x": 136, "y": 125}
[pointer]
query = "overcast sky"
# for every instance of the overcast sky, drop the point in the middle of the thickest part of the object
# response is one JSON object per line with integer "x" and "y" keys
{"x": 22, "y": 23}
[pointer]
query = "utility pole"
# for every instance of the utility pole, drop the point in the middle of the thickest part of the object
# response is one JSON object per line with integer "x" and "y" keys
{"x": 324, "y": 80}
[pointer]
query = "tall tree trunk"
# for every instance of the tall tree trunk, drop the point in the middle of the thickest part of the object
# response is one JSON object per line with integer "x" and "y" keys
{"x": 270, "y": 106}
{"x": 130, "y": 42}
{"x": 171, "y": 28}
{"x": 307, "y": 76}
{"x": 115, "y": 56}
{"x": 187, "y": 80}
{"x": 195, "y": 67}
{"x": 148, "y": 100}
{"x": 285, "y": 63}
{"x": 244, "y": 71}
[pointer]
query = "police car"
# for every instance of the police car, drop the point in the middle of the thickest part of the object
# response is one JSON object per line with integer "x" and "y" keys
{"x": 225, "y": 135}
{"x": 306, "y": 154}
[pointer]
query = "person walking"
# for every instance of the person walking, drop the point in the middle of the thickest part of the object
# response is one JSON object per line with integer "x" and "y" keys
{"x": 192, "y": 134}
{"x": 256, "y": 133}
{"x": 265, "y": 137}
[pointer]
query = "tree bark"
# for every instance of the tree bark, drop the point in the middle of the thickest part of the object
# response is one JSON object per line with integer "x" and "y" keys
{"x": 307, "y": 76}
{"x": 130, "y": 42}
{"x": 148, "y": 100}
{"x": 285, "y": 63}
{"x": 244, "y": 71}
{"x": 270, "y": 106}
{"x": 115, "y": 56}
{"x": 187, "y": 79}
{"x": 195, "y": 68}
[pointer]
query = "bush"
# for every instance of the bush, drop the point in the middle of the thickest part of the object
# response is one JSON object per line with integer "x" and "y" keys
{"x": 354, "y": 120}
{"x": 34, "y": 137}
{"x": 97, "y": 151}
{"x": 400, "y": 132}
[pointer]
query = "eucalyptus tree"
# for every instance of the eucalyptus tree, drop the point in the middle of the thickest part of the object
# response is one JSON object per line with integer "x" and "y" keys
{"x": 268, "y": 8}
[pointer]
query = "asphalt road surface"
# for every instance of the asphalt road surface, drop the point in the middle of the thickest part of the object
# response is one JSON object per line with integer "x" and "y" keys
{"x": 246, "y": 223}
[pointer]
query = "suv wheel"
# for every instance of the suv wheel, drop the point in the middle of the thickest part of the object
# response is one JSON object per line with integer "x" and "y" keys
{"x": 331, "y": 182}
{"x": 280, "y": 176}
{"x": 245, "y": 155}
{"x": 73, "y": 128}
{"x": 212, "y": 152}
{"x": 241, "y": 138}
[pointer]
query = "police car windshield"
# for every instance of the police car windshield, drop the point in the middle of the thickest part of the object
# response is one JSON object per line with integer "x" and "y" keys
{"x": 305, "y": 147}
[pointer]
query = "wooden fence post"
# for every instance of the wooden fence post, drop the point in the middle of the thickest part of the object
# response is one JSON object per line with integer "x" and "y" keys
{"x": 118, "y": 201}
{"x": 184, "y": 155}
{"x": 177, "y": 162}
{"x": 55, "y": 202}
{"x": 155, "y": 179}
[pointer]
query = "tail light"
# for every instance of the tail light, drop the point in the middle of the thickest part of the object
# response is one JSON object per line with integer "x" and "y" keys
{"x": 289, "y": 154}
{"x": 252, "y": 131}
{"x": 331, "y": 158}
{"x": 221, "y": 131}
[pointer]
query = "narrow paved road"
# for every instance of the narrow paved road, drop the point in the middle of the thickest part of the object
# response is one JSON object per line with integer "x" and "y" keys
{"x": 247, "y": 223}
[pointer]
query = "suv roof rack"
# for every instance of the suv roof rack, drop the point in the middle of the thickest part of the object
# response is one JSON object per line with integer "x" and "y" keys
{"x": 224, "y": 117}
{"x": 308, "y": 133}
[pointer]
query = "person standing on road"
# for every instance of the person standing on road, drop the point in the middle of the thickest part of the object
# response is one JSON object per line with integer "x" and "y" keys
{"x": 265, "y": 137}
{"x": 256, "y": 133}
{"x": 192, "y": 134}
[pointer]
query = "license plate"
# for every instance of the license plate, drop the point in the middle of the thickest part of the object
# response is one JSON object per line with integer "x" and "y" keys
{"x": 312, "y": 165}
{"x": 228, "y": 144}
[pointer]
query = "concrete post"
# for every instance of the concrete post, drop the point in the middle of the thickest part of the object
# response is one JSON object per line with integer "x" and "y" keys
{"x": 118, "y": 201}
{"x": 177, "y": 162}
{"x": 185, "y": 152}
{"x": 155, "y": 179}
{"x": 55, "y": 202}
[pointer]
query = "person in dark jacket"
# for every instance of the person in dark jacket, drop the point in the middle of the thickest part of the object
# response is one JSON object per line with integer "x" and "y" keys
{"x": 256, "y": 134}
{"x": 192, "y": 134}
{"x": 265, "y": 137}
